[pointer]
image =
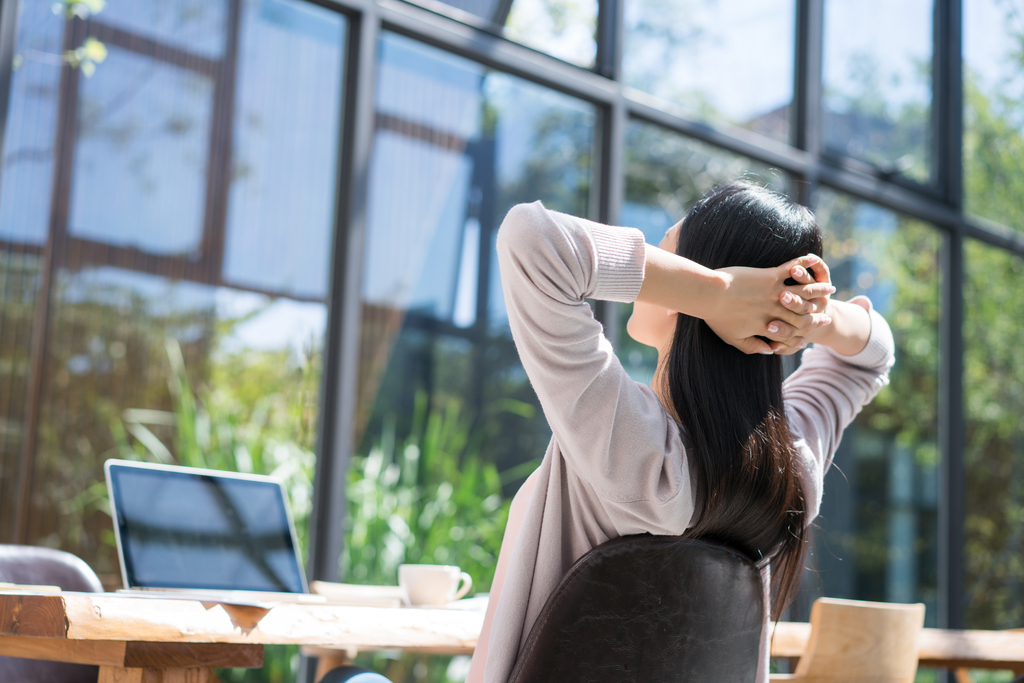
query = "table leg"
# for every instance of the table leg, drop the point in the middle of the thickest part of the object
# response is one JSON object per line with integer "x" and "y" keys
{"x": 962, "y": 676}
{"x": 328, "y": 660}
{"x": 120, "y": 674}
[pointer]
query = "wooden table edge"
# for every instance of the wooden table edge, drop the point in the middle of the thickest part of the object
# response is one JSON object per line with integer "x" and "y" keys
{"x": 134, "y": 654}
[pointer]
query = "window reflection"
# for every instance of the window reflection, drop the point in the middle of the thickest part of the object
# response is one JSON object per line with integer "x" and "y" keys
{"x": 143, "y": 135}
{"x": 665, "y": 174}
{"x": 994, "y": 453}
{"x": 560, "y": 28}
{"x": 721, "y": 62}
{"x": 993, "y": 102}
{"x": 876, "y": 536}
{"x": 455, "y": 147}
{"x": 877, "y": 79}
{"x": 189, "y": 203}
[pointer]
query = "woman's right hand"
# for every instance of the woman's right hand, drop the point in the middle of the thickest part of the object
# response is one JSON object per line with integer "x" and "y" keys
{"x": 754, "y": 299}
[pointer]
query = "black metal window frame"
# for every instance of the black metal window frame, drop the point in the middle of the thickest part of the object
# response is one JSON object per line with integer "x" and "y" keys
{"x": 939, "y": 203}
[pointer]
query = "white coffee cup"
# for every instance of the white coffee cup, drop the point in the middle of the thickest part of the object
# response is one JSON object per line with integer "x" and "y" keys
{"x": 432, "y": 584}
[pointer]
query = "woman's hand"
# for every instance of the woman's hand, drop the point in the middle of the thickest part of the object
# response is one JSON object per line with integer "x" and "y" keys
{"x": 787, "y": 338}
{"x": 851, "y": 322}
{"x": 754, "y": 300}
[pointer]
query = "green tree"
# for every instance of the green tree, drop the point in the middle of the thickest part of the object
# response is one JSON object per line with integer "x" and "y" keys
{"x": 993, "y": 362}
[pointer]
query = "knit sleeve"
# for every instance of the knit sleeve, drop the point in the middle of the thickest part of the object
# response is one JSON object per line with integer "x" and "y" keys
{"x": 612, "y": 431}
{"x": 826, "y": 393}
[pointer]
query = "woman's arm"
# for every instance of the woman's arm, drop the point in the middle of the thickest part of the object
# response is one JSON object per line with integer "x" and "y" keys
{"x": 550, "y": 264}
{"x": 516, "y": 513}
{"x": 737, "y": 303}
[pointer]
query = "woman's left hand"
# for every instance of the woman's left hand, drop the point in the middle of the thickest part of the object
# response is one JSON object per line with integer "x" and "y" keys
{"x": 786, "y": 338}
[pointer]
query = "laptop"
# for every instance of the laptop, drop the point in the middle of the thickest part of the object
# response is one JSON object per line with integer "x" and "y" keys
{"x": 204, "y": 534}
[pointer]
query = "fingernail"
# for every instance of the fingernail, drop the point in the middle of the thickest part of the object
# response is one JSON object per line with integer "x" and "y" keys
{"x": 773, "y": 328}
{"x": 814, "y": 259}
{"x": 831, "y": 290}
{"x": 803, "y": 345}
{"x": 786, "y": 297}
{"x": 767, "y": 352}
{"x": 828, "y": 320}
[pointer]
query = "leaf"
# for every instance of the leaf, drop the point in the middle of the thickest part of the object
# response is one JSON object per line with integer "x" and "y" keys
{"x": 94, "y": 49}
{"x": 153, "y": 444}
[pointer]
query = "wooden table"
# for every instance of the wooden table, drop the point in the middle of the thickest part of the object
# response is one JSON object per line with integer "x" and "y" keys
{"x": 147, "y": 640}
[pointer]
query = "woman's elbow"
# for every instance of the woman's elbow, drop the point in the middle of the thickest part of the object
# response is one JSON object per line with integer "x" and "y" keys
{"x": 520, "y": 228}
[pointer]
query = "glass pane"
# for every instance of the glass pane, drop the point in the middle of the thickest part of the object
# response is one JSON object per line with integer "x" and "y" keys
{"x": 560, "y": 28}
{"x": 147, "y": 147}
{"x": 878, "y": 83}
{"x": 187, "y": 305}
{"x": 444, "y": 403}
{"x": 994, "y": 110}
{"x": 198, "y": 27}
{"x": 994, "y": 455}
{"x": 877, "y": 533}
{"x": 665, "y": 173}
{"x": 723, "y": 62}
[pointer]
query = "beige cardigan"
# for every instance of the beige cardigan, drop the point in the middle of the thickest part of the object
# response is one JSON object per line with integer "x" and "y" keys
{"x": 616, "y": 464}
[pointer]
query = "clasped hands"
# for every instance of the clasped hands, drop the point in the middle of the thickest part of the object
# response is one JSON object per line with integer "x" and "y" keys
{"x": 758, "y": 312}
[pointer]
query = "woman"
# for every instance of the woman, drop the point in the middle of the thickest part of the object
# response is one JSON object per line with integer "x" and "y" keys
{"x": 718, "y": 447}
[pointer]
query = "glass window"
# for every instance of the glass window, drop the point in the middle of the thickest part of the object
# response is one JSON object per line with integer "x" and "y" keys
{"x": 994, "y": 448}
{"x": 876, "y": 537}
{"x": 723, "y": 62}
{"x": 192, "y": 227}
{"x": 560, "y": 28}
{"x": 994, "y": 110}
{"x": 456, "y": 145}
{"x": 665, "y": 173}
{"x": 877, "y": 80}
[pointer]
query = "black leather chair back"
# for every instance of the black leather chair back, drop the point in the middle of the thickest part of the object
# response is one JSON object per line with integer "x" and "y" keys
{"x": 649, "y": 609}
{"x": 44, "y": 566}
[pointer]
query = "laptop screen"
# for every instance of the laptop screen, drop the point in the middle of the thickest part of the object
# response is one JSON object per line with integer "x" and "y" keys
{"x": 195, "y": 529}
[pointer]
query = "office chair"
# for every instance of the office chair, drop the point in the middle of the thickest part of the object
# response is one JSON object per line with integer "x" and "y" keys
{"x": 649, "y": 609}
{"x": 45, "y": 566}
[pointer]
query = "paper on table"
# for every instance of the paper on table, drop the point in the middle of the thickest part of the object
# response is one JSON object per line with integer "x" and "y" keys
{"x": 357, "y": 595}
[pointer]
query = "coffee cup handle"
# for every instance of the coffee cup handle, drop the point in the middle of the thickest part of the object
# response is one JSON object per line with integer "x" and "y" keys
{"x": 466, "y": 585}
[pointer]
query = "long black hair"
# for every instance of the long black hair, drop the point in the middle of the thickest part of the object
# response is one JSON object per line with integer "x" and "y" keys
{"x": 728, "y": 403}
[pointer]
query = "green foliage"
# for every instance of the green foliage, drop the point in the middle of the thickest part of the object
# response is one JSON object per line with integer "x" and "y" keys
{"x": 994, "y": 152}
{"x": 256, "y": 416}
{"x": 993, "y": 361}
{"x": 994, "y": 454}
{"x": 217, "y": 428}
{"x": 428, "y": 498}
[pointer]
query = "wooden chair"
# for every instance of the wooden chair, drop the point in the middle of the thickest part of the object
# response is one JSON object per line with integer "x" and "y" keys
{"x": 860, "y": 642}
